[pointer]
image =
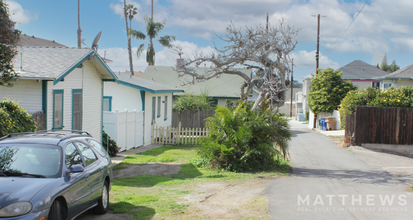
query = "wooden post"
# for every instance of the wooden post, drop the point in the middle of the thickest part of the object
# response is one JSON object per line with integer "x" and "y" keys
{"x": 397, "y": 125}
{"x": 153, "y": 130}
{"x": 178, "y": 134}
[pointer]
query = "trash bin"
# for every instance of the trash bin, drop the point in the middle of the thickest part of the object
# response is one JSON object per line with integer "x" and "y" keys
{"x": 323, "y": 124}
{"x": 330, "y": 123}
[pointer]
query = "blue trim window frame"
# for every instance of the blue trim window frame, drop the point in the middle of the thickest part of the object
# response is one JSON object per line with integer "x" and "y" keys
{"x": 159, "y": 107}
{"x": 77, "y": 109}
{"x": 386, "y": 85}
{"x": 153, "y": 109}
{"x": 57, "y": 109}
{"x": 107, "y": 103}
{"x": 166, "y": 108}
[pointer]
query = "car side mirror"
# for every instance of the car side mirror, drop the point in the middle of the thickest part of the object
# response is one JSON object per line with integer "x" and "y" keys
{"x": 76, "y": 168}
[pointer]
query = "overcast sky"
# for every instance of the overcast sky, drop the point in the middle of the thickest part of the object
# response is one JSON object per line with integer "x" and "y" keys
{"x": 352, "y": 29}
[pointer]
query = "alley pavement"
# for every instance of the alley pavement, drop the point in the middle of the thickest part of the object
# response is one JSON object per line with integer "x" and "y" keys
{"x": 328, "y": 182}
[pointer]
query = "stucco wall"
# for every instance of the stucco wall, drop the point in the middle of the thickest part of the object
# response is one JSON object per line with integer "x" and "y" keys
{"x": 123, "y": 97}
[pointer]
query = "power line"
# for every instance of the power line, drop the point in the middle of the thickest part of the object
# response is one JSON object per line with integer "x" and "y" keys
{"x": 359, "y": 11}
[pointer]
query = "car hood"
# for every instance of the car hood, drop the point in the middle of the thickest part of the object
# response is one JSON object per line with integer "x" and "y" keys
{"x": 14, "y": 189}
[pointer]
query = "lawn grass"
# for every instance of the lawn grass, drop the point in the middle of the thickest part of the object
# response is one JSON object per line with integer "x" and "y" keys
{"x": 146, "y": 195}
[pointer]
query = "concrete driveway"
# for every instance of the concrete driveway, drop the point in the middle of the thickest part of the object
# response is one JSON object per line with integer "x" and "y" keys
{"x": 328, "y": 182}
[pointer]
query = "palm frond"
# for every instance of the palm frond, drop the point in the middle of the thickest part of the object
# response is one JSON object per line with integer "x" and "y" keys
{"x": 167, "y": 40}
{"x": 139, "y": 35}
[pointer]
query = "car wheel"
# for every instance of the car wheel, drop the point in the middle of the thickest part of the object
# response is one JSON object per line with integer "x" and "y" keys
{"x": 55, "y": 212}
{"x": 103, "y": 203}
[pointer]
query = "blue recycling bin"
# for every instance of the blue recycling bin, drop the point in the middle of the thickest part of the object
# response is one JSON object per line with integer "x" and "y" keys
{"x": 323, "y": 124}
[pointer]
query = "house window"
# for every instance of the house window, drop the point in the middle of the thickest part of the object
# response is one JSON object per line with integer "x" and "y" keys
{"x": 153, "y": 108}
{"x": 375, "y": 85}
{"x": 166, "y": 108}
{"x": 57, "y": 109}
{"x": 159, "y": 107}
{"x": 76, "y": 109}
{"x": 107, "y": 103}
{"x": 387, "y": 85}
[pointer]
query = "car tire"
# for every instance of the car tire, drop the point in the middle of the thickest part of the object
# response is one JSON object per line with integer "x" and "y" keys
{"x": 103, "y": 203}
{"x": 55, "y": 212}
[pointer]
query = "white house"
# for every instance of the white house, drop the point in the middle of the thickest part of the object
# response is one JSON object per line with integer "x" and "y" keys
{"x": 397, "y": 79}
{"x": 131, "y": 105}
{"x": 64, "y": 83}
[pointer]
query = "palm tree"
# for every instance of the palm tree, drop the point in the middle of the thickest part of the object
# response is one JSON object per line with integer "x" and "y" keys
{"x": 152, "y": 31}
{"x": 127, "y": 9}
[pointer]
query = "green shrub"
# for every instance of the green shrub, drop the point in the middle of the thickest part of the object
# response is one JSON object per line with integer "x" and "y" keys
{"x": 14, "y": 119}
{"x": 400, "y": 97}
{"x": 113, "y": 148}
{"x": 192, "y": 102}
{"x": 307, "y": 115}
{"x": 242, "y": 140}
{"x": 327, "y": 90}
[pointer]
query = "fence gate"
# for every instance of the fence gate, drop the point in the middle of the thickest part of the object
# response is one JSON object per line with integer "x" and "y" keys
{"x": 177, "y": 135}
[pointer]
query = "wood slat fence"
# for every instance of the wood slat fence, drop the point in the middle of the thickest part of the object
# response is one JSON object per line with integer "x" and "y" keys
{"x": 191, "y": 119}
{"x": 177, "y": 135}
{"x": 381, "y": 125}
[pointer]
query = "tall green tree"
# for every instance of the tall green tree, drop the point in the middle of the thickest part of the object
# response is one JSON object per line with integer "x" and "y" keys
{"x": 8, "y": 39}
{"x": 327, "y": 90}
{"x": 390, "y": 68}
{"x": 152, "y": 31}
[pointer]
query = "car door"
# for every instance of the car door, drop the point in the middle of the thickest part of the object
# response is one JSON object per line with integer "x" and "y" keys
{"x": 93, "y": 171}
{"x": 78, "y": 189}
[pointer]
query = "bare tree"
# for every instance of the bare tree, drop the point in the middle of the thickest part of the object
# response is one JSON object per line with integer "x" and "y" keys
{"x": 263, "y": 49}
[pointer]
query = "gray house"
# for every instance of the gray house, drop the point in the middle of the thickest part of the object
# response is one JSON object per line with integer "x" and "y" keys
{"x": 399, "y": 78}
{"x": 362, "y": 75}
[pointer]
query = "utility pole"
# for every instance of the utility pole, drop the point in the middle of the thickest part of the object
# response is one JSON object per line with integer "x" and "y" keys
{"x": 317, "y": 56}
{"x": 79, "y": 31}
{"x": 292, "y": 86}
{"x": 152, "y": 11}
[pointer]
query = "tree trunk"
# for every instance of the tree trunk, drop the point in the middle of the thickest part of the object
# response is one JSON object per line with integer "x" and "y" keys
{"x": 129, "y": 39}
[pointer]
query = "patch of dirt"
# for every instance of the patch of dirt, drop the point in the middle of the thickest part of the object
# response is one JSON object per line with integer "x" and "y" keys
{"x": 229, "y": 201}
{"x": 337, "y": 140}
{"x": 161, "y": 169}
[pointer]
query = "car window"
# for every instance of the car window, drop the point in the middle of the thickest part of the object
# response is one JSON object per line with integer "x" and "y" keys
{"x": 87, "y": 153}
{"x": 99, "y": 148}
{"x": 72, "y": 156}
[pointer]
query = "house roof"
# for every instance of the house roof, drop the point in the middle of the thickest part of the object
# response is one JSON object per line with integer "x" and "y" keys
{"x": 145, "y": 85}
{"x": 226, "y": 86}
{"x": 35, "y": 41}
{"x": 361, "y": 70}
{"x": 54, "y": 63}
{"x": 405, "y": 73}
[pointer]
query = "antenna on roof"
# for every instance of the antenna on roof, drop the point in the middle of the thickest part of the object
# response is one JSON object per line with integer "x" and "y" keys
{"x": 95, "y": 41}
{"x": 95, "y": 45}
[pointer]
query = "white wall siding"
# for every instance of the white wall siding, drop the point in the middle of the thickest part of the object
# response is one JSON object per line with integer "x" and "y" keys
{"x": 27, "y": 92}
{"x": 123, "y": 97}
{"x": 87, "y": 79}
{"x": 158, "y": 121}
{"x": 403, "y": 82}
{"x": 362, "y": 84}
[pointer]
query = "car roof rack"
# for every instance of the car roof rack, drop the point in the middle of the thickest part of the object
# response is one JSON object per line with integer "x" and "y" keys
{"x": 63, "y": 133}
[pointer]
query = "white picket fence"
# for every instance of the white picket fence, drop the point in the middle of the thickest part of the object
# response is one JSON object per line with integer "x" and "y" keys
{"x": 169, "y": 135}
{"x": 125, "y": 127}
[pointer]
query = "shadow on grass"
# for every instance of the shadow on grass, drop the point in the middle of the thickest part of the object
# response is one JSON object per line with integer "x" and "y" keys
{"x": 188, "y": 171}
{"x": 139, "y": 212}
{"x": 161, "y": 150}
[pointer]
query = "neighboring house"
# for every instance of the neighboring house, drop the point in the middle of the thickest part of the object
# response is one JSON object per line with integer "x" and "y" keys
{"x": 399, "y": 78}
{"x": 226, "y": 87}
{"x": 362, "y": 75}
{"x": 26, "y": 40}
{"x": 150, "y": 101}
{"x": 64, "y": 83}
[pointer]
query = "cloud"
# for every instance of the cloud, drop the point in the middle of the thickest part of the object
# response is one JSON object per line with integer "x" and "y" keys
{"x": 306, "y": 60}
{"x": 165, "y": 57}
{"x": 20, "y": 15}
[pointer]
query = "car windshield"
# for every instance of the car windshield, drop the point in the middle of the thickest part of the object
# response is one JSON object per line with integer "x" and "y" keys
{"x": 32, "y": 161}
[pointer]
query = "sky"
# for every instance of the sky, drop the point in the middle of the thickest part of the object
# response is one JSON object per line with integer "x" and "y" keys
{"x": 351, "y": 29}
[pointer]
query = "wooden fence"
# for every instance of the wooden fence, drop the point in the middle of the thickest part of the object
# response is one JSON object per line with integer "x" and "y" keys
{"x": 191, "y": 119}
{"x": 381, "y": 125}
{"x": 40, "y": 119}
{"x": 177, "y": 135}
